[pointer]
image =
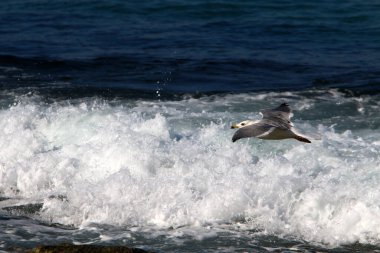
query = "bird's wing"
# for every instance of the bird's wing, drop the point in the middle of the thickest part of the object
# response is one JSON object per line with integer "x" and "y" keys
{"x": 263, "y": 135}
{"x": 258, "y": 129}
{"x": 278, "y": 117}
{"x": 314, "y": 136}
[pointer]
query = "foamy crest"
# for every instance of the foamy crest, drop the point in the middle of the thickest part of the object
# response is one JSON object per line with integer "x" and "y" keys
{"x": 172, "y": 164}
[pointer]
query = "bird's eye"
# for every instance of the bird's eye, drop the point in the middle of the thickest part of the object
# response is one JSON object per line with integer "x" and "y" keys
{"x": 242, "y": 124}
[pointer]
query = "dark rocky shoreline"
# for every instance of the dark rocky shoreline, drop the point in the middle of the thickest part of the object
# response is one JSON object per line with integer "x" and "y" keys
{"x": 69, "y": 248}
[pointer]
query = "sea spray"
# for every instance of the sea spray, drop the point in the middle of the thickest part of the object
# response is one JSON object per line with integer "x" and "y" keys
{"x": 172, "y": 164}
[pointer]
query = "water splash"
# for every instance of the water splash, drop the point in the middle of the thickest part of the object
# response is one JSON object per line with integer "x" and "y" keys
{"x": 172, "y": 164}
{"x": 167, "y": 78}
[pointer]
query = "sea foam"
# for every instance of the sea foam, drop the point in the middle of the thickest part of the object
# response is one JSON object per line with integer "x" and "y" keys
{"x": 172, "y": 164}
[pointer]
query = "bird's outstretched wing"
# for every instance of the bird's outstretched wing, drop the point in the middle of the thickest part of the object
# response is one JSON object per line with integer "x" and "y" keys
{"x": 256, "y": 130}
{"x": 278, "y": 117}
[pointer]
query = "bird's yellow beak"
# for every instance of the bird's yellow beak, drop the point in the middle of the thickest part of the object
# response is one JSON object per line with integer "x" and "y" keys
{"x": 234, "y": 126}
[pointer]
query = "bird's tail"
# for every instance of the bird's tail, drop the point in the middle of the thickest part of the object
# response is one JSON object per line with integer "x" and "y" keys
{"x": 301, "y": 138}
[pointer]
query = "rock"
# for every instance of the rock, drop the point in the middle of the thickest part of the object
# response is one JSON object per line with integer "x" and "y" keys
{"x": 69, "y": 248}
{"x": 27, "y": 209}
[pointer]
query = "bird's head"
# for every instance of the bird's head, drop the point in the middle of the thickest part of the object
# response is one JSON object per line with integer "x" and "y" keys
{"x": 243, "y": 124}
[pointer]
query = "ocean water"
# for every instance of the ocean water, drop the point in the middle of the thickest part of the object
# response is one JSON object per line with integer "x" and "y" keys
{"x": 115, "y": 125}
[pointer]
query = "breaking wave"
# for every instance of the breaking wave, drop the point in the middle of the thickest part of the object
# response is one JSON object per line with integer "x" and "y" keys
{"x": 172, "y": 164}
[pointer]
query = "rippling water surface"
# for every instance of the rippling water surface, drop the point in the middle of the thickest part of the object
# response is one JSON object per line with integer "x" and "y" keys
{"x": 115, "y": 125}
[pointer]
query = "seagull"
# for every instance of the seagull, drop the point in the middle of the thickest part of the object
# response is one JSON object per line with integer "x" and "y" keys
{"x": 275, "y": 125}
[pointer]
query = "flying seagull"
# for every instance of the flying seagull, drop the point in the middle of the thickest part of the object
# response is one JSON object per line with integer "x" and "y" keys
{"x": 275, "y": 125}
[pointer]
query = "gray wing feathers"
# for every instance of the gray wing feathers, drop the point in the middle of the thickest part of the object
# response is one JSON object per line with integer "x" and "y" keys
{"x": 251, "y": 131}
{"x": 278, "y": 117}
{"x": 284, "y": 107}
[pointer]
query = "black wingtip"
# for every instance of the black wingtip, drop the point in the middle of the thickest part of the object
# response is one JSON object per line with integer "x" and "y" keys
{"x": 303, "y": 139}
{"x": 284, "y": 107}
{"x": 235, "y": 137}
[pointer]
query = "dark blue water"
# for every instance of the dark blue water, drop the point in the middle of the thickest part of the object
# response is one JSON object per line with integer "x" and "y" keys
{"x": 133, "y": 146}
{"x": 107, "y": 47}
